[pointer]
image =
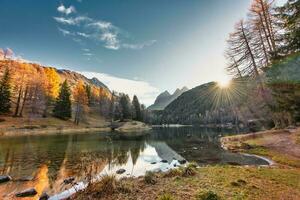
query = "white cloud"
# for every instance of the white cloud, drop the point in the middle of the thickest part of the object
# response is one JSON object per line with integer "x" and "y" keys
{"x": 144, "y": 90}
{"x": 83, "y": 34}
{"x": 139, "y": 46}
{"x": 87, "y": 54}
{"x": 105, "y": 32}
{"x": 111, "y": 40}
{"x": 72, "y": 20}
{"x": 65, "y": 32}
{"x": 65, "y": 10}
{"x": 102, "y": 25}
{"x": 63, "y": 20}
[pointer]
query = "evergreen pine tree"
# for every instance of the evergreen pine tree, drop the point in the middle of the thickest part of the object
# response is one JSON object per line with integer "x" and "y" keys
{"x": 125, "y": 107}
{"x": 88, "y": 90}
{"x": 136, "y": 109}
{"x": 5, "y": 93}
{"x": 289, "y": 15}
{"x": 62, "y": 107}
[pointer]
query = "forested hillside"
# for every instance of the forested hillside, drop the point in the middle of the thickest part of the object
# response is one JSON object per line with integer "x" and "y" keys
{"x": 31, "y": 90}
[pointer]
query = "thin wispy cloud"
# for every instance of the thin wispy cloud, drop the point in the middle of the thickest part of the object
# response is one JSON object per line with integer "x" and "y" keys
{"x": 139, "y": 46}
{"x": 83, "y": 34}
{"x": 109, "y": 35}
{"x": 65, "y": 10}
{"x": 72, "y": 20}
{"x": 65, "y": 32}
{"x": 87, "y": 54}
{"x": 144, "y": 90}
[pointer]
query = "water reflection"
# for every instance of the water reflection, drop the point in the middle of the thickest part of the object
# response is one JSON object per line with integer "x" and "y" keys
{"x": 49, "y": 160}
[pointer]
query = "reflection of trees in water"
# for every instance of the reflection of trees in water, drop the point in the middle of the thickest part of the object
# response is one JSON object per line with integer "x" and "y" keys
{"x": 25, "y": 155}
{"x": 207, "y": 134}
{"x": 65, "y": 156}
{"x": 121, "y": 149}
{"x": 194, "y": 144}
{"x": 89, "y": 156}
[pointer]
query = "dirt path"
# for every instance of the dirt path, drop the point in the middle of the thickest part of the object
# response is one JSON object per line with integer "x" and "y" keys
{"x": 284, "y": 143}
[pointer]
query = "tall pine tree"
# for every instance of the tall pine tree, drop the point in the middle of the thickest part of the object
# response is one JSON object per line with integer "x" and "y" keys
{"x": 125, "y": 107}
{"x": 62, "y": 107}
{"x": 136, "y": 109}
{"x": 5, "y": 93}
{"x": 289, "y": 21}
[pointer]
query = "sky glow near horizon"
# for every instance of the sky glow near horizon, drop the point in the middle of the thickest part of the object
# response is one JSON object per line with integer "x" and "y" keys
{"x": 136, "y": 47}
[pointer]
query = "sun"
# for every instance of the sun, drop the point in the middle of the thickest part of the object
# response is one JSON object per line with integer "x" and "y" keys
{"x": 224, "y": 82}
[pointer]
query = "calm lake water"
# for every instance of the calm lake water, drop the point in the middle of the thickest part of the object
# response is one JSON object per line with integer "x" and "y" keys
{"x": 46, "y": 161}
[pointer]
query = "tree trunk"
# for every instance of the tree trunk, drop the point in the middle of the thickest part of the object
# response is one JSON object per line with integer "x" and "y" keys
{"x": 263, "y": 45}
{"x": 249, "y": 50}
{"x": 268, "y": 25}
{"x": 24, "y": 101}
{"x": 18, "y": 102}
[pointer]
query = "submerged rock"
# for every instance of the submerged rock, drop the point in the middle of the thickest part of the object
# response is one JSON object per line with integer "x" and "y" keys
{"x": 182, "y": 162}
{"x": 120, "y": 171}
{"x": 27, "y": 193}
{"x": 44, "y": 196}
{"x": 69, "y": 180}
{"x": 153, "y": 163}
{"x": 164, "y": 161}
{"x": 233, "y": 163}
{"x": 4, "y": 178}
{"x": 24, "y": 179}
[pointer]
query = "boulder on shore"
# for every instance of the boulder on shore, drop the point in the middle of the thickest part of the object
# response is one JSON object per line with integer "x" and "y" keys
{"x": 27, "y": 193}
{"x": 133, "y": 126}
{"x": 120, "y": 171}
{"x": 44, "y": 196}
{"x": 4, "y": 178}
{"x": 69, "y": 180}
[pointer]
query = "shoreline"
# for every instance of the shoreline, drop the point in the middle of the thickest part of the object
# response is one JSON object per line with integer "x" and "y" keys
{"x": 51, "y": 131}
{"x": 277, "y": 147}
{"x": 15, "y": 127}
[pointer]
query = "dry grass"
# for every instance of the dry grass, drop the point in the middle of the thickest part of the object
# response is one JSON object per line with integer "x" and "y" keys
{"x": 150, "y": 178}
{"x": 226, "y": 182}
{"x": 10, "y": 126}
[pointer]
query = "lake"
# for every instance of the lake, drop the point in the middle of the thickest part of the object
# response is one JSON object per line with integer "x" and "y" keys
{"x": 44, "y": 162}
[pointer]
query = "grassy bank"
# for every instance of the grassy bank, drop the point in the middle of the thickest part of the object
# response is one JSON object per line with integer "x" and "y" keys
{"x": 10, "y": 126}
{"x": 282, "y": 146}
{"x": 212, "y": 182}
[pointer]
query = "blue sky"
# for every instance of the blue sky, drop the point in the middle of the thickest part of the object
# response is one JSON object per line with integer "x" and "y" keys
{"x": 137, "y": 46}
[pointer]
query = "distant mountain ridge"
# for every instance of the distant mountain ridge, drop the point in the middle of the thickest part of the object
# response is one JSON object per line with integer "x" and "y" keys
{"x": 165, "y": 98}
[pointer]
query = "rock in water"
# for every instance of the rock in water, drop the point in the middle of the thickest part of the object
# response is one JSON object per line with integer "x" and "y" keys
{"x": 164, "y": 161}
{"x": 27, "y": 193}
{"x": 4, "y": 178}
{"x": 120, "y": 171}
{"x": 153, "y": 163}
{"x": 182, "y": 162}
{"x": 69, "y": 180}
{"x": 44, "y": 196}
